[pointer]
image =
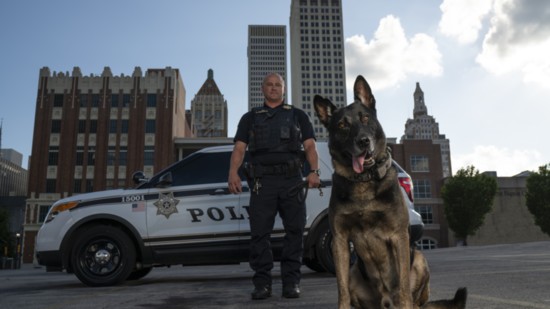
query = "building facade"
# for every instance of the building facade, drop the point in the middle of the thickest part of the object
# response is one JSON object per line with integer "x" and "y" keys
{"x": 13, "y": 177}
{"x": 266, "y": 54}
{"x": 422, "y": 160}
{"x": 92, "y": 132}
{"x": 13, "y": 190}
{"x": 209, "y": 110}
{"x": 424, "y": 126}
{"x": 317, "y": 55}
{"x": 509, "y": 220}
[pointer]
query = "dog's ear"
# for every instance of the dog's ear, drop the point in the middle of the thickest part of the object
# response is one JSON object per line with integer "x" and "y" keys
{"x": 363, "y": 93}
{"x": 324, "y": 109}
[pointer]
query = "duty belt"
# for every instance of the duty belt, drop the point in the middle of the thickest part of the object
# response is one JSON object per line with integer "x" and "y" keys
{"x": 279, "y": 169}
{"x": 290, "y": 168}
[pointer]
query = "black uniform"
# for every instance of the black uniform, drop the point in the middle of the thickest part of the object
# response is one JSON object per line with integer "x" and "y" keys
{"x": 274, "y": 137}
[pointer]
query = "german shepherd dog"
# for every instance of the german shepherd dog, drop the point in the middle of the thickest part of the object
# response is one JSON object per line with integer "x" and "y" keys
{"x": 367, "y": 209}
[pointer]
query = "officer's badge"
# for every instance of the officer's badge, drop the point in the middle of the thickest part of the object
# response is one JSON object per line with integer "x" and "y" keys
{"x": 166, "y": 204}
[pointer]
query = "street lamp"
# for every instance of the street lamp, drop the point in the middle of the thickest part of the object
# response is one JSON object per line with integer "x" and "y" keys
{"x": 18, "y": 251}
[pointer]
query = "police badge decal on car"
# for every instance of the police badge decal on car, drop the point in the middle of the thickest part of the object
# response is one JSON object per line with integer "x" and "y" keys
{"x": 166, "y": 205}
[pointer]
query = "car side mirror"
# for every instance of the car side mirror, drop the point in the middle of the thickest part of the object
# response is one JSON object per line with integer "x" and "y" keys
{"x": 139, "y": 178}
{"x": 165, "y": 180}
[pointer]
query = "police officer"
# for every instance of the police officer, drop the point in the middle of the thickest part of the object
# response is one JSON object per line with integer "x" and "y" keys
{"x": 275, "y": 135}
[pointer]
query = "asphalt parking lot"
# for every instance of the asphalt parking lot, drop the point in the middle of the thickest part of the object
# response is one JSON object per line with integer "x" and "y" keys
{"x": 500, "y": 276}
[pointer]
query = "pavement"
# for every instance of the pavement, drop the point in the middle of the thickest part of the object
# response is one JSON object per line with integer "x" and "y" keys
{"x": 512, "y": 276}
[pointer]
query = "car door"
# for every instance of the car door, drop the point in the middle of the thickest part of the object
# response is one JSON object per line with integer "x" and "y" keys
{"x": 196, "y": 211}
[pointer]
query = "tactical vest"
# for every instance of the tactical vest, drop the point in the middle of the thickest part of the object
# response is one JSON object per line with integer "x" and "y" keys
{"x": 274, "y": 130}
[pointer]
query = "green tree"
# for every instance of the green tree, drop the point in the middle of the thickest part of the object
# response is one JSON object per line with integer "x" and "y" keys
{"x": 467, "y": 198}
{"x": 537, "y": 197}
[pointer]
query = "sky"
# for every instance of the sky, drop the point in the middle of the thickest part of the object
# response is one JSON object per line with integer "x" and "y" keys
{"x": 483, "y": 65}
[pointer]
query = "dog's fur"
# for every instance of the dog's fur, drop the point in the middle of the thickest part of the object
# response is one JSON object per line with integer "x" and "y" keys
{"x": 367, "y": 209}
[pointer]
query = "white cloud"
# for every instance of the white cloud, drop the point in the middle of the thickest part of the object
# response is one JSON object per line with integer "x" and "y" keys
{"x": 463, "y": 19}
{"x": 508, "y": 162}
{"x": 390, "y": 56}
{"x": 518, "y": 40}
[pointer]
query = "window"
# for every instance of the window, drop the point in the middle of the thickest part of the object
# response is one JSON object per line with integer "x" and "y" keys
{"x": 124, "y": 126}
{"x": 53, "y": 158}
{"x": 192, "y": 171}
{"x": 58, "y": 100}
{"x": 91, "y": 158}
{"x": 122, "y": 155}
{"x": 50, "y": 185}
{"x": 82, "y": 126}
{"x": 111, "y": 157}
{"x": 83, "y": 100}
{"x": 420, "y": 163}
{"x": 112, "y": 126}
{"x": 89, "y": 185}
{"x": 422, "y": 188}
{"x": 149, "y": 158}
{"x": 93, "y": 126}
{"x": 126, "y": 100}
{"x": 42, "y": 213}
{"x": 427, "y": 244}
{"x": 77, "y": 187}
{"x": 56, "y": 126}
{"x": 95, "y": 100}
{"x": 151, "y": 100}
{"x": 114, "y": 100}
{"x": 426, "y": 212}
{"x": 79, "y": 158}
{"x": 150, "y": 126}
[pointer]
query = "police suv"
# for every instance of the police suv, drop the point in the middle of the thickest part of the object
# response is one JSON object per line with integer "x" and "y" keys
{"x": 183, "y": 215}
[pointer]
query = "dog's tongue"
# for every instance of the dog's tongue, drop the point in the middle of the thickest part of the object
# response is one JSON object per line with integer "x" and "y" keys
{"x": 358, "y": 162}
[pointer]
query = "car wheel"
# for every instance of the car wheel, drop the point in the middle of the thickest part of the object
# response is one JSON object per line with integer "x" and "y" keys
{"x": 323, "y": 248}
{"x": 314, "y": 265}
{"x": 102, "y": 255}
{"x": 138, "y": 274}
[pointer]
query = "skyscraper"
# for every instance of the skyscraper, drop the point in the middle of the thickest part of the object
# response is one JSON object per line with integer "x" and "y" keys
{"x": 317, "y": 55}
{"x": 424, "y": 127}
{"x": 209, "y": 110}
{"x": 266, "y": 54}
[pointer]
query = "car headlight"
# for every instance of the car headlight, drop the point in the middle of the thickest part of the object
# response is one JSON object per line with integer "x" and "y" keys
{"x": 59, "y": 209}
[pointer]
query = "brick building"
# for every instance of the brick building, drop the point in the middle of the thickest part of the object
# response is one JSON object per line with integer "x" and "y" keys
{"x": 92, "y": 132}
{"x": 422, "y": 160}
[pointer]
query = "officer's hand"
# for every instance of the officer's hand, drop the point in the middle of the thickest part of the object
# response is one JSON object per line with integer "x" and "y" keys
{"x": 234, "y": 184}
{"x": 313, "y": 180}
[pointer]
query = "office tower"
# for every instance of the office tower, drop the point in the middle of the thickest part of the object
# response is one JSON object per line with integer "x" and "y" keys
{"x": 424, "y": 126}
{"x": 317, "y": 55}
{"x": 266, "y": 54}
{"x": 209, "y": 110}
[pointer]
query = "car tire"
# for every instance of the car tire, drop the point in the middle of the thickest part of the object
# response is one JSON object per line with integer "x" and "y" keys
{"x": 323, "y": 248}
{"x": 138, "y": 274}
{"x": 314, "y": 265}
{"x": 102, "y": 255}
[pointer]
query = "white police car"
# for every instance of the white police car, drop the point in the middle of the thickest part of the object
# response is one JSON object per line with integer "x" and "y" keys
{"x": 183, "y": 215}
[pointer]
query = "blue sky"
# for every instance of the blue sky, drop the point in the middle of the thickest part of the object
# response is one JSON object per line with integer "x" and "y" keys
{"x": 482, "y": 64}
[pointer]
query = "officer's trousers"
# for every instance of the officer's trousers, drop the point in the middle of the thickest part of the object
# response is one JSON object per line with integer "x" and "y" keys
{"x": 274, "y": 198}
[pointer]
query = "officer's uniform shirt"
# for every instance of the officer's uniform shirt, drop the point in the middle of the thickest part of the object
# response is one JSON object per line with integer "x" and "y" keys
{"x": 247, "y": 121}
